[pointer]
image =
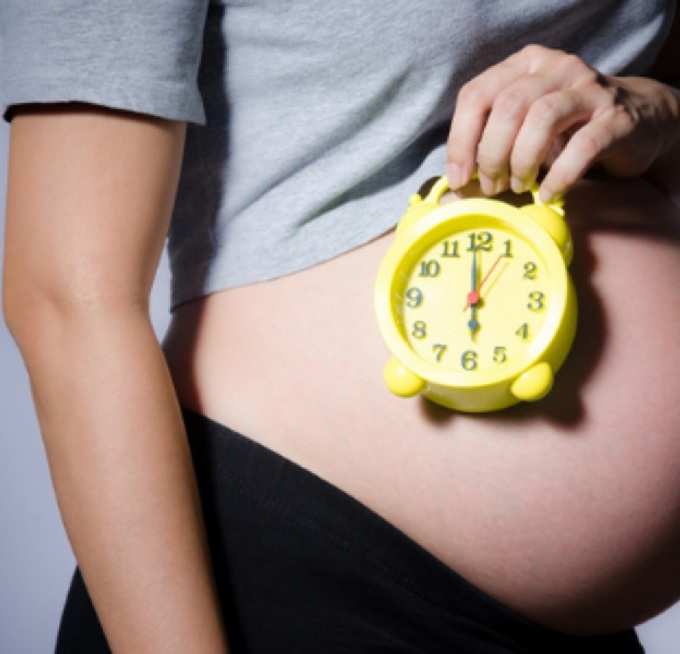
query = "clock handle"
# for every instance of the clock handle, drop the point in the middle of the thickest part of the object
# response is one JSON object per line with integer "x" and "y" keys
{"x": 549, "y": 215}
{"x": 441, "y": 186}
{"x": 421, "y": 203}
{"x": 419, "y": 206}
{"x": 437, "y": 190}
{"x": 556, "y": 204}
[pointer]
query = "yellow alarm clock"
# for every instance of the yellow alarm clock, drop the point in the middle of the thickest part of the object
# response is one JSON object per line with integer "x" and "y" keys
{"x": 474, "y": 300}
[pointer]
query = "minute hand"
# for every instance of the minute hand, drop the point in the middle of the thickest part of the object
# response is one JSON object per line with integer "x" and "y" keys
{"x": 488, "y": 274}
{"x": 473, "y": 296}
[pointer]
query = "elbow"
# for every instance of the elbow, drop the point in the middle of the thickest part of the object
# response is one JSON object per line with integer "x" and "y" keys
{"x": 30, "y": 312}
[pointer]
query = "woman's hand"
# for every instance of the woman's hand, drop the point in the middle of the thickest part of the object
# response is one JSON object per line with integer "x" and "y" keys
{"x": 545, "y": 107}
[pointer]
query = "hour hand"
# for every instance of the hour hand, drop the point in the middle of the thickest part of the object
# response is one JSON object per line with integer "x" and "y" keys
{"x": 473, "y": 323}
{"x": 473, "y": 296}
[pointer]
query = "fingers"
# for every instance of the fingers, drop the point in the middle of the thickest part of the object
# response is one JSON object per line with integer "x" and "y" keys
{"x": 475, "y": 99}
{"x": 505, "y": 120}
{"x": 588, "y": 144}
{"x": 519, "y": 113}
{"x": 549, "y": 116}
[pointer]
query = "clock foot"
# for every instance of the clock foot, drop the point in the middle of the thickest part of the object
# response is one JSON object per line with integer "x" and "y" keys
{"x": 534, "y": 383}
{"x": 400, "y": 380}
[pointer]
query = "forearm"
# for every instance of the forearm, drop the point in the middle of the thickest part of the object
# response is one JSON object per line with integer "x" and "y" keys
{"x": 121, "y": 469}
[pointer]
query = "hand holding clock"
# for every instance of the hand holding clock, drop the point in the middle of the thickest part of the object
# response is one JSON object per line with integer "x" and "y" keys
{"x": 542, "y": 106}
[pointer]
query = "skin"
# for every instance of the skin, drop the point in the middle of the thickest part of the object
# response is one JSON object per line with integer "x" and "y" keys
{"x": 546, "y": 107}
{"x": 558, "y": 509}
{"x": 88, "y": 203}
{"x": 78, "y": 310}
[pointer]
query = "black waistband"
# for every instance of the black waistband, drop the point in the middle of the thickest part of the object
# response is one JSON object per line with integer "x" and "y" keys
{"x": 300, "y": 495}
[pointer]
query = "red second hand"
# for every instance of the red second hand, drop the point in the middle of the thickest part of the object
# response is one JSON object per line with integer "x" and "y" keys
{"x": 473, "y": 296}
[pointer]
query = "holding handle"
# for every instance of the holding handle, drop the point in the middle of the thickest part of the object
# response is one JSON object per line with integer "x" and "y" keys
{"x": 549, "y": 215}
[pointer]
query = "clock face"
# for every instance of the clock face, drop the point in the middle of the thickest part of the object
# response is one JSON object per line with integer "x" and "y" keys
{"x": 476, "y": 300}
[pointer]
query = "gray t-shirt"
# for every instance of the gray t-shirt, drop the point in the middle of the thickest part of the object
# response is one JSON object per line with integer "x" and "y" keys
{"x": 310, "y": 122}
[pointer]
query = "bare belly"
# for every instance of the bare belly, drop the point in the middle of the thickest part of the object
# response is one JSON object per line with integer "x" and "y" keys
{"x": 567, "y": 510}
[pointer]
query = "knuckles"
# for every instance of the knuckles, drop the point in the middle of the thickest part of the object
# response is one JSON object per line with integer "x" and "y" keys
{"x": 536, "y": 50}
{"x": 470, "y": 93}
{"x": 547, "y": 108}
{"x": 491, "y": 166}
{"x": 540, "y": 56}
{"x": 574, "y": 64}
{"x": 511, "y": 102}
{"x": 545, "y": 112}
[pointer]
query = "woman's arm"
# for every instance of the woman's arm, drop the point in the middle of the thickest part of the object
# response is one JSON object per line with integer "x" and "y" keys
{"x": 89, "y": 196}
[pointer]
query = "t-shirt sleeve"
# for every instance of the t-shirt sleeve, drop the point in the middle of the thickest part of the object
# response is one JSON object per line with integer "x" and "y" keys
{"x": 139, "y": 55}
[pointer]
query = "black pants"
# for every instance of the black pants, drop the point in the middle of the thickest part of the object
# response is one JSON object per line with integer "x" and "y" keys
{"x": 303, "y": 567}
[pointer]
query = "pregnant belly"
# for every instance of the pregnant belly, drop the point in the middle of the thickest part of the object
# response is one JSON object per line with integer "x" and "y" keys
{"x": 567, "y": 510}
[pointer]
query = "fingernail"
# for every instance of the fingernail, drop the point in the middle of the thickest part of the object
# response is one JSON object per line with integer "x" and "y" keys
{"x": 545, "y": 194}
{"x": 516, "y": 184}
{"x": 500, "y": 184}
{"x": 486, "y": 183}
{"x": 454, "y": 174}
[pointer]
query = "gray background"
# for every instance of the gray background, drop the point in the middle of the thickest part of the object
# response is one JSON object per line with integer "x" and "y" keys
{"x": 37, "y": 561}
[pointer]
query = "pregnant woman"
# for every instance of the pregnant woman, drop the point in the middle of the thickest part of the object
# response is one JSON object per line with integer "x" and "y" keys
{"x": 249, "y": 484}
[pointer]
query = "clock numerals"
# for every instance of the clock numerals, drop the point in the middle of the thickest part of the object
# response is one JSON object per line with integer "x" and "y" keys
{"x": 499, "y": 354}
{"x": 523, "y": 331}
{"x": 439, "y": 349}
{"x": 468, "y": 360}
{"x": 414, "y": 297}
{"x": 529, "y": 270}
{"x": 499, "y": 250}
{"x": 450, "y": 249}
{"x": 429, "y": 268}
{"x": 480, "y": 241}
{"x": 419, "y": 329}
{"x": 536, "y": 300}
